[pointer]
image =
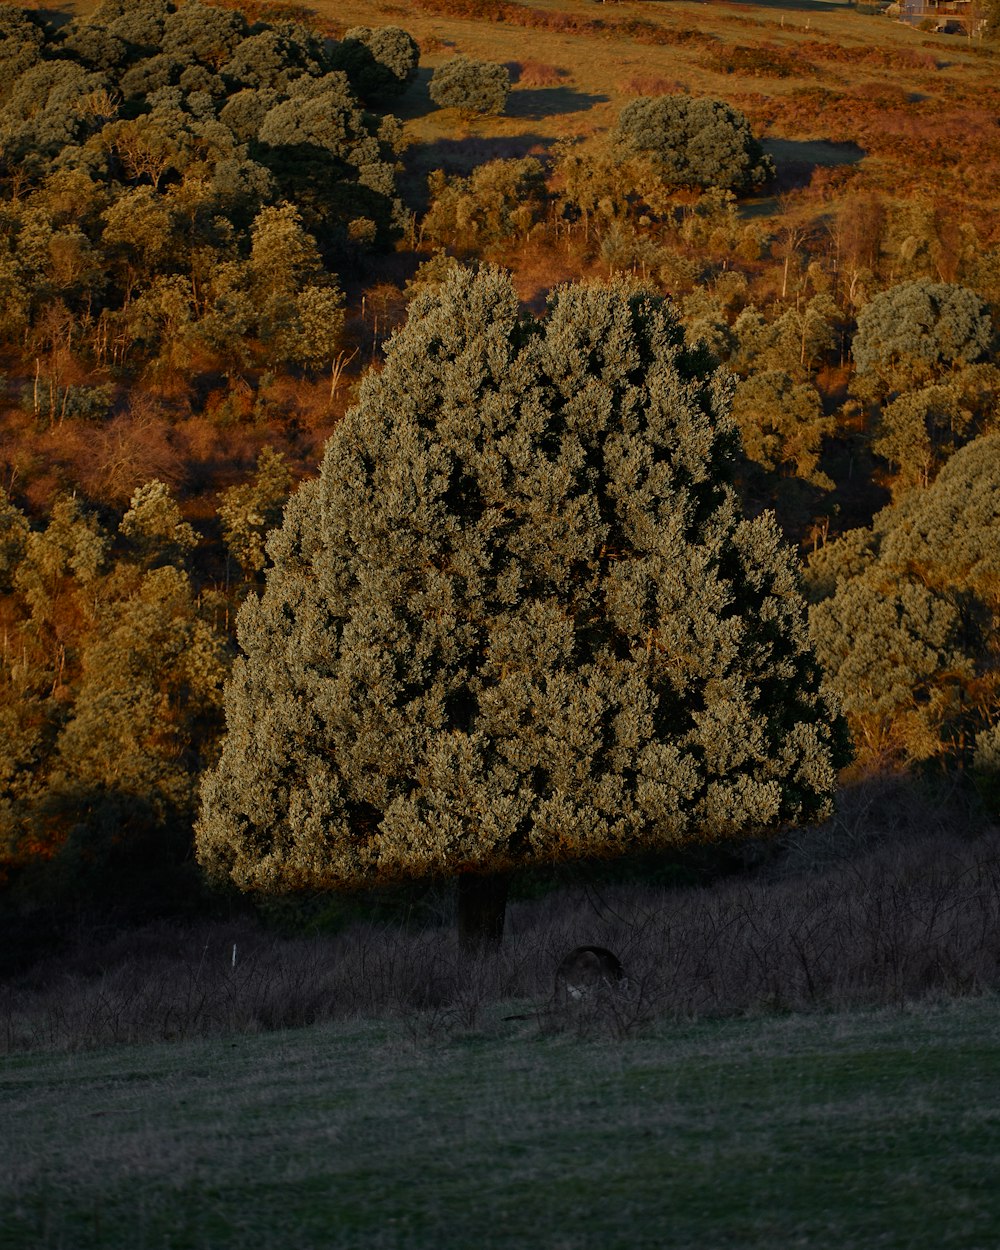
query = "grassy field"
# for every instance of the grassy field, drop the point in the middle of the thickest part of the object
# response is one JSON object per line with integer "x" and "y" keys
{"x": 858, "y": 1130}
{"x": 848, "y": 103}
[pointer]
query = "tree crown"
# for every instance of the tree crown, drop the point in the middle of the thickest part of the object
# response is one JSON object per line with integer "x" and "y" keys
{"x": 518, "y": 618}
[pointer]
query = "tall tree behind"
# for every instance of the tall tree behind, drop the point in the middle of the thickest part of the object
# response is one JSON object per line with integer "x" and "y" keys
{"x": 518, "y": 618}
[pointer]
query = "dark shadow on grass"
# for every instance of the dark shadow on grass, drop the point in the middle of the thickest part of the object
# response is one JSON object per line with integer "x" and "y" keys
{"x": 796, "y": 162}
{"x": 463, "y": 155}
{"x": 538, "y": 102}
{"x": 416, "y": 100}
{"x": 811, "y": 153}
{"x": 56, "y": 18}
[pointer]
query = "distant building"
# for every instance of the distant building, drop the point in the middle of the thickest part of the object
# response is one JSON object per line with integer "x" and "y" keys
{"x": 948, "y": 17}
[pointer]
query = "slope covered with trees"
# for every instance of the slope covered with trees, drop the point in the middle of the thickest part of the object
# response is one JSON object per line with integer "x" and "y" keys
{"x": 183, "y": 187}
{"x": 210, "y": 227}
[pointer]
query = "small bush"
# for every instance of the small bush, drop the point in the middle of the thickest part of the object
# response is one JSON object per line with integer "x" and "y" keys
{"x": 651, "y": 85}
{"x": 538, "y": 74}
{"x": 757, "y": 62}
{"x": 694, "y": 142}
{"x": 471, "y": 86}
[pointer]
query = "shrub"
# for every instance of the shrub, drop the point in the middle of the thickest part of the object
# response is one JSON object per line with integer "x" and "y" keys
{"x": 538, "y": 74}
{"x": 381, "y": 63}
{"x": 757, "y": 62}
{"x": 650, "y": 85}
{"x": 699, "y": 142}
{"x": 916, "y": 332}
{"x": 470, "y": 86}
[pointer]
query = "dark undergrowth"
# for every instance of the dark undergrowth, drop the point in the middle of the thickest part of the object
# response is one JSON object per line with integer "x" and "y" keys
{"x": 896, "y": 899}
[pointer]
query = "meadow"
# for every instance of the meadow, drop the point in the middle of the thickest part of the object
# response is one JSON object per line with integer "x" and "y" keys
{"x": 877, "y": 1128}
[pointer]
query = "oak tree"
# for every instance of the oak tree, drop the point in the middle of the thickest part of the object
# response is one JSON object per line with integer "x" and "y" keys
{"x": 470, "y": 86}
{"x": 518, "y": 618}
{"x": 695, "y": 142}
{"x": 381, "y": 63}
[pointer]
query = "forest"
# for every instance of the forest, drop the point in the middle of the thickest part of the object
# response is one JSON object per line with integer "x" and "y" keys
{"x": 215, "y": 219}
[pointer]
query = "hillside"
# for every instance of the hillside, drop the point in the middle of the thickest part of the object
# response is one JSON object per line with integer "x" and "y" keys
{"x": 201, "y": 266}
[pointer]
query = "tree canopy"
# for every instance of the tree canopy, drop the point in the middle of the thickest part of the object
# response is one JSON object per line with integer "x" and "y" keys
{"x": 518, "y": 618}
{"x": 470, "y": 86}
{"x": 381, "y": 63}
{"x": 917, "y": 331}
{"x": 148, "y": 147}
{"x": 907, "y": 613}
{"x": 694, "y": 142}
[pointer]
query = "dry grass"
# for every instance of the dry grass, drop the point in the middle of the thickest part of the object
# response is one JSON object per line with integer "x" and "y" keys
{"x": 537, "y": 74}
{"x": 884, "y": 905}
{"x": 799, "y": 74}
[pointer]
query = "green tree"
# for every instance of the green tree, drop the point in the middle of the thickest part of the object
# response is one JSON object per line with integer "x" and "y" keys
{"x": 518, "y": 618}
{"x": 21, "y": 43}
{"x": 150, "y": 670}
{"x": 783, "y": 425}
{"x": 110, "y": 694}
{"x": 907, "y": 619}
{"x": 249, "y": 510}
{"x": 589, "y": 183}
{"x": 321, "y": 147}
{"x": 154, "y": 528}
{"x": 245, "y": 110}
{"x": 274, "y": 58}
{"x": 795, "y": 342}
{"x": 13, "y": 539}
{"x": 695, "y": 142}
{"x": 45, "y": 112}
{"x": 470, "y": 86}
{"x": 500, "y": 200}
{"x": 916, "y": 333}
{"x": 202, "y": 32}
{"x": 93, "y": 46}
{"x": 313, "y": 335}
{"x": 137, "y": 22}
{"x": 381, "y": 63}
{"x": 922, "y": 353}
{"x": 297, "y": 305}
{"x": 918, "y": 430}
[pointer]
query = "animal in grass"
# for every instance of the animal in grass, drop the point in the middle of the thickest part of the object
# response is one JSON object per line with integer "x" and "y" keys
{"x": 585, "y": 972}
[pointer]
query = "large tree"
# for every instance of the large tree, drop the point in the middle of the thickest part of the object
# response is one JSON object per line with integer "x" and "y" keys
{"x": 517, "y": 618}
{"x": 693, "y": 142}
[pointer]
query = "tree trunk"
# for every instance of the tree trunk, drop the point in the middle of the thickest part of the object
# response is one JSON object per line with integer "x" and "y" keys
{"x": 482, "y": 904}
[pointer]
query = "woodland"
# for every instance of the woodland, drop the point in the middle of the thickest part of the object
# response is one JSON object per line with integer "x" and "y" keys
{"x": 213, "y": 221}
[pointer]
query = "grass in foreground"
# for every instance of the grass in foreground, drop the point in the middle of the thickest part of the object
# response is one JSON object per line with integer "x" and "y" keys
{"x": 847, "y": 1130}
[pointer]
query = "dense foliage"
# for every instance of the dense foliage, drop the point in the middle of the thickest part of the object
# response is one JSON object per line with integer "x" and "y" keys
{"x": 184, "y": 184}
{"x": 518, "y": 617}
{"x": 695, "y": 142}
{"x": 381, "y": 63}
{"x": 470, "y": 86}
{"x": 192, "y": 207}
{"x": 908, "y": 614}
